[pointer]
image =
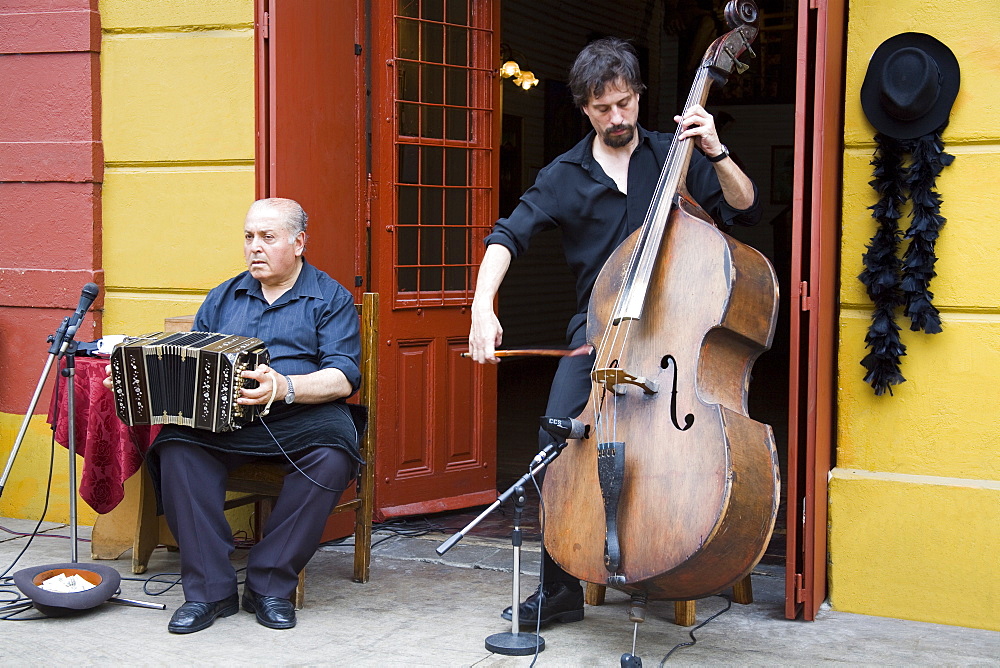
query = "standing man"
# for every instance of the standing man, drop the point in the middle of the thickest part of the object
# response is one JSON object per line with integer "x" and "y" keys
{"x": 597, "y": 194}
{"x": 311, "y": 329}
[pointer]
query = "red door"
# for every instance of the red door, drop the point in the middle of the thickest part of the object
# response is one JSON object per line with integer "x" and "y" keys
{"x": 815, "y": 225}
{"x": 310, "y": 106}
{"x": 434, "y": 182}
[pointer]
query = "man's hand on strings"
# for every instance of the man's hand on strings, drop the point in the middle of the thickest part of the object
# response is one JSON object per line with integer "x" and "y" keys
{"x": 699, "y": 125}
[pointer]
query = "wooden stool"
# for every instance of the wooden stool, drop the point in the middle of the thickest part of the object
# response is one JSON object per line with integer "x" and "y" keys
{"x": 684, "y": 611}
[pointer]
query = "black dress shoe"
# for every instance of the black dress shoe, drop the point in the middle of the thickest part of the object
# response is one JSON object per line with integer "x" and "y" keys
{"x": 273, "y": 612}
{"x": 559, "y": 602}
{"x": 195, "y": 616}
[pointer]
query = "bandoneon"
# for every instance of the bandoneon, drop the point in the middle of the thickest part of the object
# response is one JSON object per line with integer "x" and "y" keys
{"x": 185, "y": 378}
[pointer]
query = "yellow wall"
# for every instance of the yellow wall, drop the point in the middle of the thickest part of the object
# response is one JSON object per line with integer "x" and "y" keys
{"x": 915, "y": 496}
{"x": 25, "y": 491}
{"x": 177, "y": 87}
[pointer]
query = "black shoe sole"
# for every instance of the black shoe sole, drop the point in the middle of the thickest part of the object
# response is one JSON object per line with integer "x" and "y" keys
{"x": 567, "y": 617}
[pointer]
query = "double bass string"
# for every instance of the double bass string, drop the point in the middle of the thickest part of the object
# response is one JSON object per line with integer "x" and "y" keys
{"x": 614, "y": 340}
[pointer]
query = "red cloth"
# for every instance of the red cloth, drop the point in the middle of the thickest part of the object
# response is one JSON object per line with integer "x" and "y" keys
{"x": 111, "y": 450}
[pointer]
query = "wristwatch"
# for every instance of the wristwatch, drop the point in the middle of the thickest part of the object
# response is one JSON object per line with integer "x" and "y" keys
{"x": 719, "y": 158}
{"x": 290, "y": 395}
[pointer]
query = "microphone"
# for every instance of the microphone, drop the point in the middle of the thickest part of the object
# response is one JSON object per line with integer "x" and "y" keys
{"x": 565, "y": 427}
{"x": 71, "y": 324}
{"x": 87, "y": 297}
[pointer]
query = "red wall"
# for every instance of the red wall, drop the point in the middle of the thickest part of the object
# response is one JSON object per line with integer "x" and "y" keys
{"x": 51, "y": 169}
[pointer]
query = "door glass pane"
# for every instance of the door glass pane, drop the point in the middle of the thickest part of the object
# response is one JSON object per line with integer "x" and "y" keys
{"x": 457, "y": 124}
{"x": 408, "y": 38}
{"x": 431, "y": 209}
{"x": 456, "y": 168}
{"x": 456, "y": 212}
{"x": 457, "y": 12}
{"x": 432, "y": 44}
{"x": 407, "y": 244}
{"x": 409, "y": 202}
{"x": 409, "y": 167}
{"x": 432, "y": 167}
{"x": 433, "y": 123}
{"x": 409, "y": 8}
{"x": 456, "y": 47}
{"x": 455, "y": 245}
{"x": 409, "y": 119}
{"x": 432, "y": 84}
{"x": 432, "y": 10}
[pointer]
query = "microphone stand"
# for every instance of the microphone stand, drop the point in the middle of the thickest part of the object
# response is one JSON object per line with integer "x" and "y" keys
{"x": 513, "y": 643}
{"x": 62, "y": 344}
{"x": 70, "y": 373}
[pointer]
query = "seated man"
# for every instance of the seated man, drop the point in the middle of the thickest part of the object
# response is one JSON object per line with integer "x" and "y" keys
{"x": 310, "y": 326}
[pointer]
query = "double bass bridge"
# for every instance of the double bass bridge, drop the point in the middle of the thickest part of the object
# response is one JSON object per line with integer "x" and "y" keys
{"x": 614, "y": 379}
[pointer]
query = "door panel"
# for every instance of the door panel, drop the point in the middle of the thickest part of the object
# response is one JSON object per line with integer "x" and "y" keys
{"x": 309, "y": 107}
{"x": 434, "y": 146}
{"x": 815, "y": 227}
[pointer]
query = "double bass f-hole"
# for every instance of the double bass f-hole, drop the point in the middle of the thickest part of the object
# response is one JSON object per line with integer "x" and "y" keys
{"x": 667, "y": 362}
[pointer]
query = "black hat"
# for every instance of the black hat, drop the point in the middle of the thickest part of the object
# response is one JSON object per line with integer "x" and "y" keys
{"x": 911, "y": 83}
{"x": 58, "y": 604}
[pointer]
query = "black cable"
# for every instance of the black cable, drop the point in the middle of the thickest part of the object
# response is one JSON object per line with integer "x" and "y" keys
{"x": 23, "y": 534}
{"x": 413, "y": 527}
{"x": 158, "y": 578}
{"x": 16, "y": 609}
{"x": 48, "y": 494}
{"x": 357, "y": 438}
{"x": 729, "y": 604}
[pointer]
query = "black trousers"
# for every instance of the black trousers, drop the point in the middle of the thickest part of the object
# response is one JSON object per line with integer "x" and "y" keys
{"x": 193, "y": 489}
{"x": 567, "y": 398}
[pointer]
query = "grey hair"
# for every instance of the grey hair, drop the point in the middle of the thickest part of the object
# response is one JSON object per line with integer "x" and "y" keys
{"x": 291, "y": 212}
{"x": 600, "y": 63}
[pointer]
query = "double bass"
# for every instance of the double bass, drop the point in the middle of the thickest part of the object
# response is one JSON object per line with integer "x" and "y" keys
{"x": 673, "y": 494}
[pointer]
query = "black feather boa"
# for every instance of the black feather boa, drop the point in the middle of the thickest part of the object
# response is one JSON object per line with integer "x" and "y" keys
{"x": 889, "y": 281}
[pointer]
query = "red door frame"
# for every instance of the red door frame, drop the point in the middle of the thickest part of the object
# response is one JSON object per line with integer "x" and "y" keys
{"x": 815, "y": 234}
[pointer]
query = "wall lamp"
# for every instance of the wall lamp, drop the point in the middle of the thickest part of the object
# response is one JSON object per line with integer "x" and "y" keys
{"x": 511, "y": 70}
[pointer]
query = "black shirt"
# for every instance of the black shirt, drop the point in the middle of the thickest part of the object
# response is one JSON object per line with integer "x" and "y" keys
{"x": 574, "y": 194}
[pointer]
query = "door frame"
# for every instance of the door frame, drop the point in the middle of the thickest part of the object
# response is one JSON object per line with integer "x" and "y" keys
{"x": 816, "y": 202}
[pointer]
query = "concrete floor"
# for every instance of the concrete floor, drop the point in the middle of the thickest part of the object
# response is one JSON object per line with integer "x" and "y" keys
{"x": 423, "y": 610}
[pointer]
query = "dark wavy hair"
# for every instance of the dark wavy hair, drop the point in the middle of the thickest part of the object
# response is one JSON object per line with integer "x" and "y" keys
{"x": 603, "y": 62}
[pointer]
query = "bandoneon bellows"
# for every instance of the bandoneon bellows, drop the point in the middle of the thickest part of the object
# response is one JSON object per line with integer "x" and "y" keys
{"x": 185, "y": 378}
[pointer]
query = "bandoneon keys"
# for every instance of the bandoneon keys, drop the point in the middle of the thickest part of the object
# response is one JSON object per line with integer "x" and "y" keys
{"x": 185, "y": 378}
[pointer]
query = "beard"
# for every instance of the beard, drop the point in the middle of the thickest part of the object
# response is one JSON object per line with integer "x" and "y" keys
{"x": 617, "y": 141}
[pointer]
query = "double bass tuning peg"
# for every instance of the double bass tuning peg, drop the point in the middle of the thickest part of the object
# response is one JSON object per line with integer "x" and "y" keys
{"x": 740, "y": 67}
